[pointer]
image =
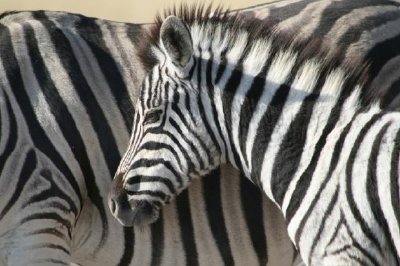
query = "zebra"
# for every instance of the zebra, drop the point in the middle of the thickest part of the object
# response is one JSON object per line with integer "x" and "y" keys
{"x": 292, "y": 118}
{"x": 67, "y": 88}
{"x": 99, "y": 56}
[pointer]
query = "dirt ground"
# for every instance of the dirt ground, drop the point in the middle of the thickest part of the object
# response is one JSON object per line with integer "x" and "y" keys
{"x": 139, "y": 11}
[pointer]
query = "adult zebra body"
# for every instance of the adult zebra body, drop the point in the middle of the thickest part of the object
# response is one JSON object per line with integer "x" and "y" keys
{"x": 67, "y": 84}
{"x": 294, "y": 119}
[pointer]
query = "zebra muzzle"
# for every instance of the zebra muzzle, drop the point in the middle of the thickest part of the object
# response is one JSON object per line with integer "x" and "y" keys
{"x": 133, "y": 212}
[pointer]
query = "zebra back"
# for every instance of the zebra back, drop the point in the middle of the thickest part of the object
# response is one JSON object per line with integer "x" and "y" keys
{"x": 350, "y": 30}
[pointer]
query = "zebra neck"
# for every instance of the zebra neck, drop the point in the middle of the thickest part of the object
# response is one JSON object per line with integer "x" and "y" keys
{"x": 283, "y": 138}
{"x": 272, "y": 120}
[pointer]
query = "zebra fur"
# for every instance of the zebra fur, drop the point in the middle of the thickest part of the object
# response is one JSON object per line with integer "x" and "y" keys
{"x": 290, "y": 116}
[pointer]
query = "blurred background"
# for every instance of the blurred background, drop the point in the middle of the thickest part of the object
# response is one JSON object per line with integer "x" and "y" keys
{"x": 139, "y": 11}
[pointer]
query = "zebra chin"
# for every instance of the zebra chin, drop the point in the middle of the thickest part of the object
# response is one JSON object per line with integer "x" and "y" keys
{"x": 133, "y": 212}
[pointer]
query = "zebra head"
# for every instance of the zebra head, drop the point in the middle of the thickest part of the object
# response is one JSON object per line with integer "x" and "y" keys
{"x": 169, "y": 145}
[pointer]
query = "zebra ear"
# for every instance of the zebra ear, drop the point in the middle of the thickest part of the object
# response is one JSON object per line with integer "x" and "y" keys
{"x": 177, "y": 41}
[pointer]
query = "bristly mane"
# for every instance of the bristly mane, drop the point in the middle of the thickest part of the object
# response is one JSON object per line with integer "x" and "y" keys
{"x": 220, "y": 20}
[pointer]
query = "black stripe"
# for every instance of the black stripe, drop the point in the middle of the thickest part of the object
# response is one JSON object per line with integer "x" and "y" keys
{"x": 12, "y": 136}
{"x": 349, "y": 170}
{"x": 28, "y": 167}
{"x": 305, "y": 180}
{"x": 39, "y": 137}
{"x": 390, "y": 99}
{"x": 292, "y": 146}
{"x": 177, "y": 144}
{"x": 360, "y": 261}
{"x": 321, "y": 226}
{"x": 394, "y": 181}
{"x": 187, "y": 230}
{"x": 211, "y": 184}
{"x": 193, "y": 132}
{"x": 58, "y": 220}
{"x": 367, "y": 24}
{"x": 49, "y": 231}
{"x": 129, "y": 247}
{"x": 49, "y": 261}
{"x": 150, "y": 90}
{"x": 336, "y": 230}
{"x": 265, "y": 129}
{"x": 157, "y": 241}
{"x": 249, "y": 106}
{"x": 150, "y": 163}
{"x": 133, "y": 180}
{"x": 293, "y": 9}
{"x": 59, "y": 109}
{"x": 192, "y": 147}
{"x": 200, "y": 105}
{"x": 382, "y": 53}
{"x": 85, "y": 93}
{"x": 53, "y": 192}
{"x": 159, "y": 89}
{"x": 251, "y": 199}
{"x": 229, "y": 92}
{"x": 372, "y": 189}
{"x": 144, "y": 90}
{"x": 192, "y": 68}
{"x": 221, "y": 66}
{"x": 51, "y": 246}
{"x": 155, "y": 146}
{"x": 211, "y": 94}
{"x": 357, "y": 245}
{"x": 90, "y": 31}
{"x": 338, "y": 9}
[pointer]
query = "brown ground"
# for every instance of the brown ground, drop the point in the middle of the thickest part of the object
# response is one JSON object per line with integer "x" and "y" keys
{"x": 120, "y": 10}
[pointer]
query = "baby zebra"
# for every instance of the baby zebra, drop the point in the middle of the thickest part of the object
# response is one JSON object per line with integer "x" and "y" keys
{"x": 222, "y": 89}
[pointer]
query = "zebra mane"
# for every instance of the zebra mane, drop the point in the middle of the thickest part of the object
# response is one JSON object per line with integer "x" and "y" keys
{"x": 219, "y": 23}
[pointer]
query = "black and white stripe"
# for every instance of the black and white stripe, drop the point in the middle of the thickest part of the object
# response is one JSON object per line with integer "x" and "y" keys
{"x": 295, "y": 118}
{"x": 351, "y": 29}
{"x": 67, "y": 87}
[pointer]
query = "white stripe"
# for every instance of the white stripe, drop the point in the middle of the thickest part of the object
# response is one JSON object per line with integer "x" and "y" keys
{"x": 384, "y": 186}
{"x": 252, "y": 66}
{"x": 277, "y": 75}
{"x": 322, "y": 109}
{"x": 302, "y": 85}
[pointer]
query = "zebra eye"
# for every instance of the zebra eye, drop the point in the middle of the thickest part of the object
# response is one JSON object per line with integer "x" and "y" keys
{"x": 152, "y": 116}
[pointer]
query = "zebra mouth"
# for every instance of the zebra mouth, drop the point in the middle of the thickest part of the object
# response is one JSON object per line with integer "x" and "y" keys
{"x": 144, "y": 213}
